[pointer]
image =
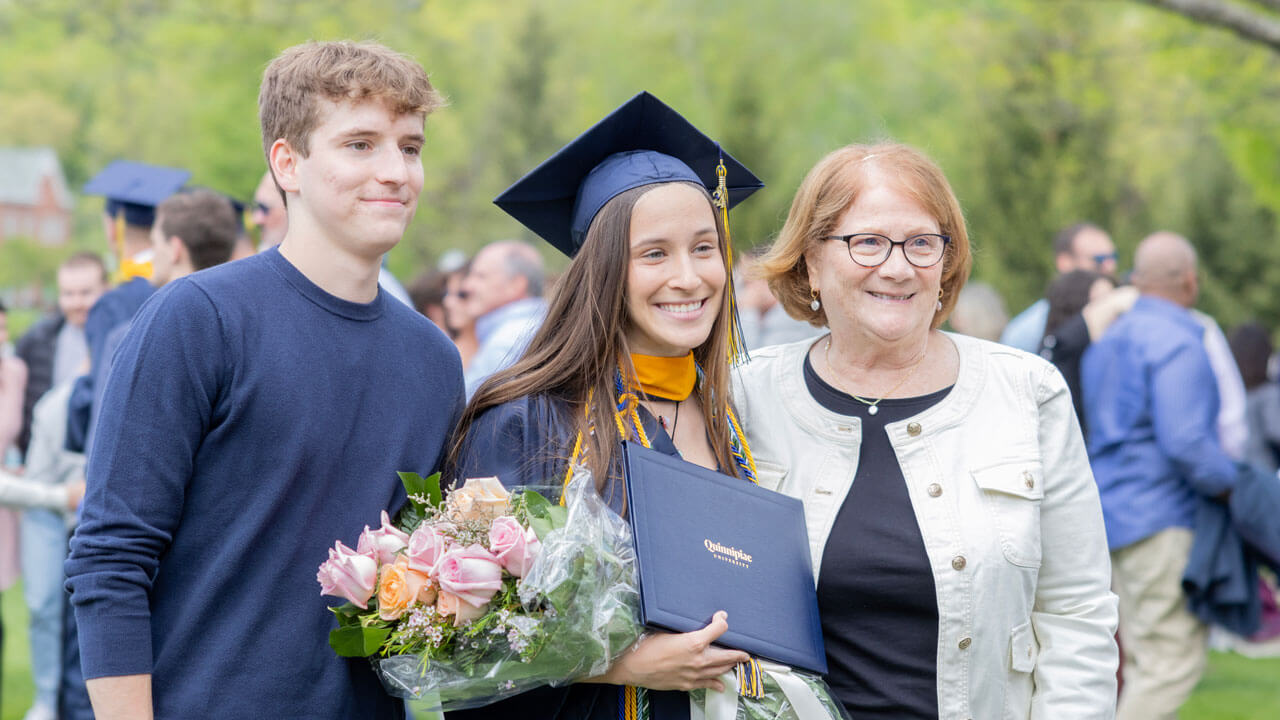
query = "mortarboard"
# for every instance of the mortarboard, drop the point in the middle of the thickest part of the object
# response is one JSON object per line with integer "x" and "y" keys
{"x": 643, "y": 142}
{"x": 133, "y": 190}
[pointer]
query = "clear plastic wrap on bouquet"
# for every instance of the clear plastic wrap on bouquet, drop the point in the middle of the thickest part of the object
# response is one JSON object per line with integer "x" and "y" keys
{"x": 579, "y": 604}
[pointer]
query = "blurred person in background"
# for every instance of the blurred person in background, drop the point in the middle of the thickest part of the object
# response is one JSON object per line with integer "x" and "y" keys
{"x": 13, "y": 383}
{"x": 56, "y": 352}
{"x": 54, "y": 348}
{"x": 1083, "y": 246}
{"x": 1082, "y": 305}
{"x": 132, "y": 191}
{"x": 1233, "y": 426}
{"x": 268, "y": 213}
{"x": 459, "y": 320}
{"x": 954, "y": 525}
{"x": 504, "y": 295}
{"x": 1152, "y": 403}
{"x": 1251, "y": 345}
{"x": 979, "y": 312}
{"x": 52, "y": 487}
{"x": 763, "y": 319}
{"x": 427, "y": 292}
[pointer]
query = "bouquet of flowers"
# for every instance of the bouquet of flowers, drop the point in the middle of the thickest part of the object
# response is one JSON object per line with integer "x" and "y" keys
{"x": 485, "y": 594}
{"x": 488, "y": 594}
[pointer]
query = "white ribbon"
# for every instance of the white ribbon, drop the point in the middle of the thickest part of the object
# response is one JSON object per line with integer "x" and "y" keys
{"x": 724, "y": 705}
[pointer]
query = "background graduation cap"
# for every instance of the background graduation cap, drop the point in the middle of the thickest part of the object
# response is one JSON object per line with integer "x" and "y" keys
{"x": 133, "y": 190}
{"x": 643, "y": 142}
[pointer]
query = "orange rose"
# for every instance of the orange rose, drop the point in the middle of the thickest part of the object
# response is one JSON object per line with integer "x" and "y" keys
{"x": 396, "y": 589}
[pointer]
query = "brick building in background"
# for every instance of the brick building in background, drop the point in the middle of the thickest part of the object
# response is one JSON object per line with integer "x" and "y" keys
{"x": 34, "y": 200}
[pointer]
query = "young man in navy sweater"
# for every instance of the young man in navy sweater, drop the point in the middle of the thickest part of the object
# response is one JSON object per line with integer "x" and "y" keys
{"x": 258, "y": 411}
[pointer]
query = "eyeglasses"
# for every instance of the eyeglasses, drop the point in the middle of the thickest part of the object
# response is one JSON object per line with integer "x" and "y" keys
{"x": 872, "y": 249}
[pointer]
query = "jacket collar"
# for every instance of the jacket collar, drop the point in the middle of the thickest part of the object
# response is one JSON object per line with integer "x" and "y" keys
{"x": 807, "y": 413}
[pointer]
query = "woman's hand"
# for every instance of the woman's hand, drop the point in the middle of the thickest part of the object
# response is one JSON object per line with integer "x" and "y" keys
{"x": 669, "y": 661}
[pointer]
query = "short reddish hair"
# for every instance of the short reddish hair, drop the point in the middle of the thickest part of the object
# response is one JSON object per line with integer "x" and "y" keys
{"x": 830, "y": 188}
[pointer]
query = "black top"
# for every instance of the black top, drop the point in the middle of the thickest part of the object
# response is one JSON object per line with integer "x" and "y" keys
{"x": 875, "y": 588}
{"x": 1064, "y": 347}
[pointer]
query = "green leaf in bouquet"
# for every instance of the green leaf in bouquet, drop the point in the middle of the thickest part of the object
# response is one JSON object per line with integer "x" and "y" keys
{"x": 357, "y": 641}
{"x": 427, "y": 487}
{"x": 537, "y": 505}
{"x": 347, "y": 614}
{"x": 543, "y": 516}
{"x": 410, "y": 517}
{"x": 559, "y": 516}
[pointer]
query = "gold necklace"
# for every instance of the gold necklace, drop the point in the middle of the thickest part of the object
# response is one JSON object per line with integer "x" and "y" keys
{"x": 872, "y": 408}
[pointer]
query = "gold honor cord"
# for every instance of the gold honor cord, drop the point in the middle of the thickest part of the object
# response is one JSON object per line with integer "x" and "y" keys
{"x": 720, "y": 198}
{"x": 633, "y": 704}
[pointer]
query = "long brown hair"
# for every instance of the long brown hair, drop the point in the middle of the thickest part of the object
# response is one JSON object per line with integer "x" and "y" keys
{"x": 578, "y": 348}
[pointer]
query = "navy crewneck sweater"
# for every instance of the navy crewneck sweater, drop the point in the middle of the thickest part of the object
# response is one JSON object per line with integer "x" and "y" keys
{"x": 250, "y": 420}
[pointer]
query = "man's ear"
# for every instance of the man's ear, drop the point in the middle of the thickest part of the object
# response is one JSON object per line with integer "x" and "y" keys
{"x": 519, "y": 287}
{"x": 177, "y": 250}
{"x": 283, "y": 159}
{"x": 1065, "y": 263}
{"x": 1191, "y": 284}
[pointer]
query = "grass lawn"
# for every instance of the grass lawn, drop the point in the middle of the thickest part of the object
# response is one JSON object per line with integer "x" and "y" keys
{"x": 1234, "y": 688}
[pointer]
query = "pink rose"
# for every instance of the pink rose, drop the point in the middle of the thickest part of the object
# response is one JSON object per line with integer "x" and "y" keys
{"x": 348, "y": 574}
{"x": 384, "y": 542}
{"x": 513, "y": 545}
{"x": 462, "y": 611}
{"x": 472, "y": 573}
{"x": 426, "y": 545}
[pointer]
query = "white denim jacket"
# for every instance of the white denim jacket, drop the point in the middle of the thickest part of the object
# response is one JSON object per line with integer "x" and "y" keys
{"x": 1001, "y": 488}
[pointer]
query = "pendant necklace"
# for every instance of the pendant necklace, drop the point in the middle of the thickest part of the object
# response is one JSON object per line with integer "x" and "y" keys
{"x": 675, "y": 420}
{"x": 872, "y": 408}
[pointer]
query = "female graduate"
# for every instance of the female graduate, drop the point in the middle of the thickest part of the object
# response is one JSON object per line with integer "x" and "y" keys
{"x": 636, "y": 345}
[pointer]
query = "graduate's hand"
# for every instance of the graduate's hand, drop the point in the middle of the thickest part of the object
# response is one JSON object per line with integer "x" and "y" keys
{"x": 671, "y": 661}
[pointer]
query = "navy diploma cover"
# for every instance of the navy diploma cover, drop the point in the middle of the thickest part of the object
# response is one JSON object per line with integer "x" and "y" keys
{"x": 707, "y": 542}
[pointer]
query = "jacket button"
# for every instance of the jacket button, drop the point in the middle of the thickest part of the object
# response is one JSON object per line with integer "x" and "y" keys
{"x": 965, "y": 643}
{"x": 958, "y": 562}
{"x": 913, "y": 429}
{"x": 934, "y": 490}
{"x": 1028, "y": 479}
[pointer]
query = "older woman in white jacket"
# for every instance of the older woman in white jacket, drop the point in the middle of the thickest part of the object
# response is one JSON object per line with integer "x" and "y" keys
{"x": 953, "y": 520}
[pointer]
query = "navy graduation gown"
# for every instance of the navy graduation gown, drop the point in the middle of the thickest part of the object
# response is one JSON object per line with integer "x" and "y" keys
{"x": 527, "y": 442}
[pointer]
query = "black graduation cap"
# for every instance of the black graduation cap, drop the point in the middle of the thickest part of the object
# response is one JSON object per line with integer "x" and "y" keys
{"x": 642, "y": 142}
{"x": 134, "y": 189}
